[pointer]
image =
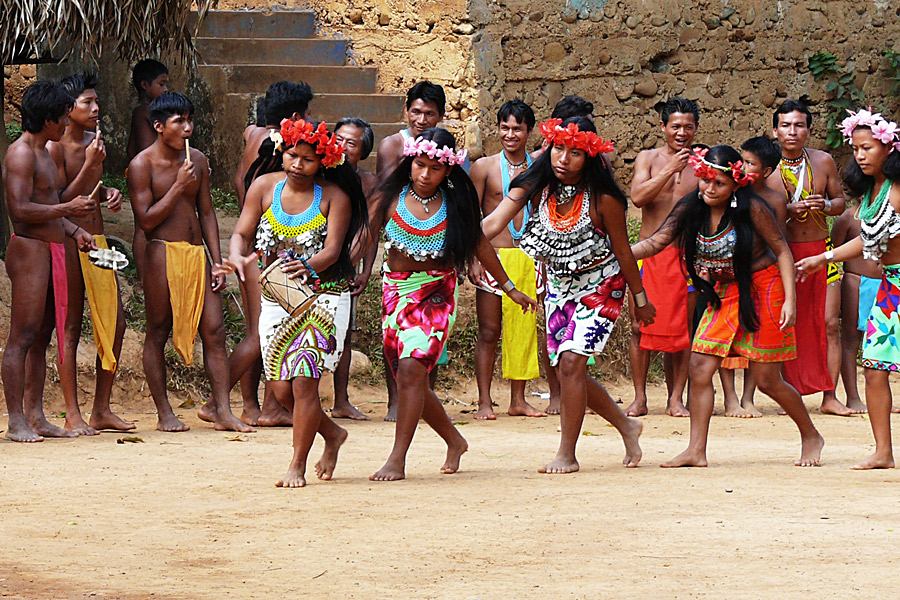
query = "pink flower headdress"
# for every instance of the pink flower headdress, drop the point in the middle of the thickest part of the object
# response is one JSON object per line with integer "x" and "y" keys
{"x": 446, "y": 155}
{"x": 708, "y": 170}
{"x": 883, "y": 130}
{"x": 571, "y": 136}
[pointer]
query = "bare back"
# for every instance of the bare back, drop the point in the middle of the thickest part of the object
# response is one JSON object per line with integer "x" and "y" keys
{"x": 30, "y": 176}
{"x": 389, "y": 153}
{"x": 648, "y": 165}
{"x": 253, "y": 137}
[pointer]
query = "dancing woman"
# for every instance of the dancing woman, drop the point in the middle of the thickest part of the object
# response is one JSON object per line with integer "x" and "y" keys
{"x": 308, "y": 215}
{"x": 730, "y": 237}
{"x": 871, "y": 175}
{"x": 578, "y": 230}
{"x": 429, "y": 210}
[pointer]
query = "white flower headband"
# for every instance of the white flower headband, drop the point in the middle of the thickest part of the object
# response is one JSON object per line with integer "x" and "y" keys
{"x": 883, "y": 130}
{"x": 446, "y": 155}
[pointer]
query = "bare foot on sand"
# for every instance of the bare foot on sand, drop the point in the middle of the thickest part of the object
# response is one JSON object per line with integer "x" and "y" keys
{"x": 348, "y": 411}
{"x": 20, "y": 431}
{"x": 631, "y": 439}
{"x": 857, "y": 406}
{"x": 833, "y": 406}
{"x": 638, "y": 408}
{"x": 688, "y": 458}
{"x": 171, "y": 423}
{"x": 484, "y": 413}
{"x": 45, "y": 428}
{"x": 738, "y": 411}
{"x": 811, "y": 451}
{"x": 560, "y": 465}
{"x": 207, "y": 412}
{"x": 229, "y": 422}
{"x": 454, "y": 453}
{"x": 523, "y": 409}
{"x": 294, "y": 478}
{"x": 749, "y": 407}
{"x": 391, "y": 417}
{"x": 76, "y": 425}
{"x": 676, "y": 408}
{"x": 110, "y": 421}
{"x": 250, "y": 415}
{"x": 391, "y": 471}
{"x": 278, "y": 416}
{"x": 325, "y": 466}
{"x": 875, "y": 462}
{"x": 553, "y": 407}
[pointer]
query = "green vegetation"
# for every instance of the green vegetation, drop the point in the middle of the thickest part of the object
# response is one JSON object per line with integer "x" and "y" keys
{"x": 13, "y": 131}
{"x": 845, "y": 95}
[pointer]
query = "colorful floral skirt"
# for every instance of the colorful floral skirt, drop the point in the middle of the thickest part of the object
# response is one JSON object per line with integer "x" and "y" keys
{"x": 305, "y": 345}
{"x": 582, "y": 308}
{"x": 418, "y": 312}
{"x": 720, "y": 332}
{"x": 881, "y": 350}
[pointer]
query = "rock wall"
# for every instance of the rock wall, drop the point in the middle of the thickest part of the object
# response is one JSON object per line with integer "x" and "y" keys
{"x": 15, "y": 79}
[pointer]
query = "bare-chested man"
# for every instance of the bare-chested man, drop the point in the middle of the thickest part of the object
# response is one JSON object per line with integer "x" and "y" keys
{"x": 35, "y": 258}
{"x": 492, "y": 176}
{"x": 425, "y": 107}
{"x": 812, "y": 188}
{"x": 171, "y": 202}
{"x": 661, "y": 179}
{"x": 359, "y": 140}
{"x": 79, "y": 157}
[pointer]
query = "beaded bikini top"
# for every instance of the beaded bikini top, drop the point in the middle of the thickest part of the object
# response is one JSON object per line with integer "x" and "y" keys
{"x": 418, "y": 239}
{"x": 304, "y": 233}
{"x": 569, "y": 246}
{"x": 878, "y": 221}
{"x": 715, "y": 254}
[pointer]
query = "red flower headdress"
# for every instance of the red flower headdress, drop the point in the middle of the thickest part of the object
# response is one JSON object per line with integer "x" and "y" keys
{"x": 707, "y": 170}
{"x": 294, "y": 132}
{"x": 571, "y": 136}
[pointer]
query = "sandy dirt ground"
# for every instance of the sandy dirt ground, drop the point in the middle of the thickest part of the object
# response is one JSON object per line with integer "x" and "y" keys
{"x": 196, "y": 515}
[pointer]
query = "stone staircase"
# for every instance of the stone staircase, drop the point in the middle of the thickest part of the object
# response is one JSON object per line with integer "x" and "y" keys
{"x": 242, "y": 52}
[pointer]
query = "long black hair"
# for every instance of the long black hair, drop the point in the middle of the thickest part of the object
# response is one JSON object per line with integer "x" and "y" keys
{"x": 344, "y": 176}
{"x": 598, "y": 175}
{"x": 463, "y": 209}
{"x": 693, "y": 218}
{"x": 858, "y": 183}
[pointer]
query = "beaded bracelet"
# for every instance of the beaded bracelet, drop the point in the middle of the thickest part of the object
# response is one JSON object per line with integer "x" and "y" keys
{"x": 312, "y": 272}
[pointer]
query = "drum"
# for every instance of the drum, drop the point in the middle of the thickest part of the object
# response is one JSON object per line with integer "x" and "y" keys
{"x": 293, "y": 295}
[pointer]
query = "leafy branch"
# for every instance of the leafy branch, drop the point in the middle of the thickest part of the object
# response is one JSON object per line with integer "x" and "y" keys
{"x": 842, "y": 86}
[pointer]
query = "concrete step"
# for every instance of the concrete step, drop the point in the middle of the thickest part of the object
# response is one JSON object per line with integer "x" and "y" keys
{"x": 374, "y": 108}
{"x": 257, "y": 24}
{"x": 271, "y": 51}
{"x": 255, "y": 79}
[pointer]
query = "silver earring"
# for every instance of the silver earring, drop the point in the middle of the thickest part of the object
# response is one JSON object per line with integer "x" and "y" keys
{"x": 734, "y": 201}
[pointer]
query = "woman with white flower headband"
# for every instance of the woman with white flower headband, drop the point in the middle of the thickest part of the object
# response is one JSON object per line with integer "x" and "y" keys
{"x": 578, "y": 231}
{"x": 306, "y": 215}
{"x": 729, "y": 236}
{"x": 871, "y": 175}
{"x": 430, "y": 213}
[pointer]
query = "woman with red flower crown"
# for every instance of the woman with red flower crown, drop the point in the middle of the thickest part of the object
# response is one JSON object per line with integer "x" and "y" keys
{"x": 729, "y": 235}
{"x": 429, "y": 209}
{"x": 303, "y": 208}
{"x": 578, "y": 230}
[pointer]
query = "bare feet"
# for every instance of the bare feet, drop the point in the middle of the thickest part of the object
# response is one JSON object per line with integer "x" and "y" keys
{"x": 484, "y": 413}
{"x": 250, "y": 415}
{"x": 631, "y": 438}
{"x": 229, "y": 422}
{"x": 688, "y": 458}
{"x": 738, "y": 411}
{"x": 294, "y": 478}
{"x": 276, "y": 417}
{"x": 749, "y": 407}
{"x": 325, "y": 466}
{"x": 45, "y": 428}
{"x": 857, "y": 406}
{"x": 391, "y": 471}
{"x": 811, "y": 451}
{"x": 875, "y": 462}
{"x": 347, "y": 411}
{"x": 171, "y": 423}
{"x": 676, "y": 408}
{"x": 638, "y": 408}
{"x": 207, "y": 412}
{"x": 560, "y": 465}
{"x": 523, "y": 409}
{"x": 553, "y": 407}
{"x": 390, "y": 417}
{"x": 20, "y": 431}
{"x": 110, "y": 421}
{"x": 833, "y": 406}
{"x": 76, "y": 425}
{"x": 454, "y": 453}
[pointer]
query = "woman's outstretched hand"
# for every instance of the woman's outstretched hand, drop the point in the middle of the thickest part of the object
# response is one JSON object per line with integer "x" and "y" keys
{"x": 809, "y": 265}
{"x": 528, "y": 304}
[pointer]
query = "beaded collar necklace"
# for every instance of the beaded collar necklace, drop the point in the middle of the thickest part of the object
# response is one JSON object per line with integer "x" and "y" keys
{"x": 289, "y": 225}
{"x": 418, "y": 239}
{"x": 425, "y": 201}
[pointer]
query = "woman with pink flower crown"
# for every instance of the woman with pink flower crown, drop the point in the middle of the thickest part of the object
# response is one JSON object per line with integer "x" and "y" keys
{"x": 578, "y": 230}
{"x": 730, "y": 237}
{"x": 872, "y": 175}
{"x": 430, "y": 213}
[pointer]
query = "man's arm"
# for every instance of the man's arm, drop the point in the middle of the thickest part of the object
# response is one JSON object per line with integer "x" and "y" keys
{"x": 833, "y": 189}
{"x": 386, "y": 155}
{"x": 645, "y": 187}
{"x": 479, "y": 178}
{"x": 142, "y": 133}
{"x": 20, "y": 169}
{"x": 90, "y": 173}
